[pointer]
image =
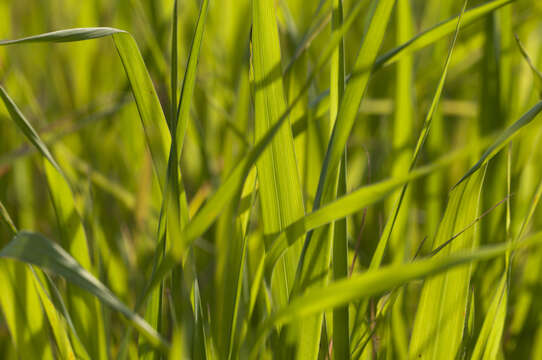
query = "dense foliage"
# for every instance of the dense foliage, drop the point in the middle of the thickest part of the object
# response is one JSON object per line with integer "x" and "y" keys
{"x": 223, "y": 179}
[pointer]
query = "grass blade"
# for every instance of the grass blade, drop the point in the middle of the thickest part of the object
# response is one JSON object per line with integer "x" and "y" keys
{"x": 340, "y": 321}
{"x": 317, "y": 246}
{"x": 279, "y": 187}
{"x": 438, "y": 31}
{"x": 503, "y": 139}
{"x": 440, "y": 318}
{"x": 88, "y": 320}
{"x": 377, "y": 281}
{"x": 35, "y": 249}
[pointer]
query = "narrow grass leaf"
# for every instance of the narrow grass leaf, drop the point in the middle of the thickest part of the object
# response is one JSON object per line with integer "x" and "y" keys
{"x": 438, "y": 31}
{"x": 503, "y": 139}
{"x": 280, "y": 191}
{"x": 340, "y": 321}
{"x": 148, "y": 105}
{"x": 87, "y": 313}
{"x": 440, "y": 317}
{"x": 35, "y": 249}
{"x": 378, "y": 281}
{"x": 422, "y": 138}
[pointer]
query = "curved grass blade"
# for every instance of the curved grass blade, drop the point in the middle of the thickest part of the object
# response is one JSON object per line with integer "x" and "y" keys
{"x": 437, "y": 32}
{"x": 422, "y": 138}
{"x": 317, "y": 246}
{"x": 488, "y": 343}
{"x": 4, "y": 215}
{"x": 378, "y": 281}
{"x": 536, "y": 73}
{"x": 174, "y": 214}
{"x": 52, "y": 309}
{"x": 35, "y": 249}
{"x": 503, "y": 139}
{"x": 68, "y": 35}
{"x": 87, "y": 313}
{"x": 440, "y": 317}
{"x": 353, "y": 202}
{"x": 148, "y": 105}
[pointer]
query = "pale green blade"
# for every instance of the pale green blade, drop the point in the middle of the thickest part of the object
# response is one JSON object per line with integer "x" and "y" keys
{"x": 317, "y": 246}
{"x": 280, "y": 191}
{"x": 61, "y": 327}
{"x": 503, "y": 139}
{"x": 86, "y": 310}
{"x": 489, "y": 337}
{"x": 187, "y": 90}
{"x": 438, "y": 31}
{"x": 340, "y": 321}
{"x": 440, "y": 317}
{"x": 35, "y": 249}
{"x": 386, "y": 278}
{"x": 148, "y": 105}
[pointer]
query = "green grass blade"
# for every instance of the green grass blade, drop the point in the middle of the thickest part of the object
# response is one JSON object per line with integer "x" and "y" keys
{"x": 27, "y": 129}
{"x": 422, "y": 138}
{"x": 4, "y": 215}
{"x": 148, "y": 105}
{"x": 280, "y": 191}
{"x": 174, "y": 64}
{"x": 353, "y": 202}
{"x": 187, "y": 90}
{"x": 437, "y": 32}
{"x": 378, "y": 281}
{"x": 174, "y": 207}
{"x": 68, "y": 35}
{"x": 340, "y": 321}
{"x": 440, "y": 317}
{"x": 536, "y": 73}
{"x": 35, "y": 249}
{"x": 149, "y": 108}
{"x": 503, "y": 139}
{"x": 58, "y": 323}
{"x": 489, "y": 338}
{"x": 87, "y": 313}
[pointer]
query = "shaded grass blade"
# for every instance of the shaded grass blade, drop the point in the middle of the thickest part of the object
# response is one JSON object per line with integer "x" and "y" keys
{"x": 317, "y": 246}
{"x": 35, "y": 249}
{"x": 87, "y": 314}
{"x": 377, "y": 281}
{"x": 440, "y": 317}
{"x": 280, "y": 191}
{"x": 503, "y": 139}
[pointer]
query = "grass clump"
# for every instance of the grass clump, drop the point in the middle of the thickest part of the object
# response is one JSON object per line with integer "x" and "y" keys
{"x": 270, "y": 179}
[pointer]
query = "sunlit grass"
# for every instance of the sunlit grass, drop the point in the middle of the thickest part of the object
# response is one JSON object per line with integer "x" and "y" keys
{"x": 270, "y": 179}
